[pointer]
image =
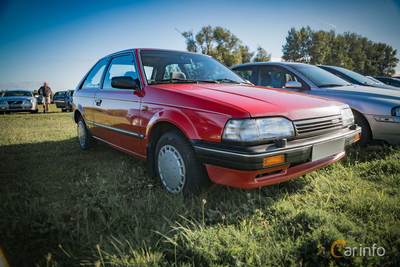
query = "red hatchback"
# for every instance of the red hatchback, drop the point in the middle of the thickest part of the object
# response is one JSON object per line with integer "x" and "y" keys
{"x": 194, "y": 120}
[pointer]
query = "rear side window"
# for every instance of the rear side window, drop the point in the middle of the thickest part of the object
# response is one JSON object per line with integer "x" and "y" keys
{"x": 92, "y": 81}
{"x": 245, "y": 72}
{"x": 119, "y": 66}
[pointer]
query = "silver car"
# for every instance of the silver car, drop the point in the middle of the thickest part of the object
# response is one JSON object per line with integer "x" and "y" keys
{"x": 18, "y": 100}
{"x": 376, "y": 110}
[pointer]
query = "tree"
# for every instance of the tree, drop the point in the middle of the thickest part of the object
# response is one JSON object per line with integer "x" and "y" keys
{"x": 221, "y": 44}
{"x": 348, "y": 50}
{"x": 262, "y": 55}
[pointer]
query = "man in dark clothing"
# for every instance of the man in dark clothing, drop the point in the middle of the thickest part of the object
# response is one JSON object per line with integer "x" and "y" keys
{"x": 46, "y": 94}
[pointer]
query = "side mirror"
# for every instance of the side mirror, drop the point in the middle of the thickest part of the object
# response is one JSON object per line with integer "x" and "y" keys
{"x": 293, "y": 85}
{"x": 125, "y": 82}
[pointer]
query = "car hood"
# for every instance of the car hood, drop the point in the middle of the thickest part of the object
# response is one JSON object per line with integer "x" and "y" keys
{"x": 367, "y": 91}
{"x": 262, "y": 101}
{"x": 16, "y": 98}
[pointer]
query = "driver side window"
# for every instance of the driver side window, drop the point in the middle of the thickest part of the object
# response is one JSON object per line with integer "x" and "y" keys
{"x": 275, "y": 77}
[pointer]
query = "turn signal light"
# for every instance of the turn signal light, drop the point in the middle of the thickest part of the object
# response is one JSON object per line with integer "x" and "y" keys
{"x": 274, "y": 160}
{"x": 357, "y": 137}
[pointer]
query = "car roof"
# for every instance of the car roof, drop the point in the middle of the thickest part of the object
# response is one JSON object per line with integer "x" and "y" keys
{"x": 151, "y": 49}
{"x": 271, "y": 63}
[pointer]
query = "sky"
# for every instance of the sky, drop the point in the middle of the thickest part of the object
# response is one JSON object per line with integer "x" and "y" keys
{"x": 58, "y": 41}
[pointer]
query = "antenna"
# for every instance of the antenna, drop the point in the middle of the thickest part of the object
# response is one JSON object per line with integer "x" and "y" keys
{"x": 180, "y": 33}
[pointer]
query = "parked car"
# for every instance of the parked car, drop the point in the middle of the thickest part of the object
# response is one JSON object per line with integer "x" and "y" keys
{"x": 389, "y": 81}
{"x": 64, "y": 101}
{"x": 193, "y": 120}
{"x": 39, "y": 99}
{"x": 354, "y": 77}
{"x": 18, "y": 100}
{"x": 59, "y": 97}
{"x": 376, "y": 110}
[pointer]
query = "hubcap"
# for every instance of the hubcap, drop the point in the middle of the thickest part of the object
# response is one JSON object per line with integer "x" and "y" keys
{"x": 171, "y": 168}
{"x": 81, "y": 134}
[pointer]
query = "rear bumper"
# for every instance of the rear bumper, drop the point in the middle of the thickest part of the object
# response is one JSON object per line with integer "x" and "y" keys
{"x": 243, "y": 166}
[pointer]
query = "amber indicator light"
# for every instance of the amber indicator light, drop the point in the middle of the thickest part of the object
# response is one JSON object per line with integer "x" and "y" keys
{"x": 357, "y": 137}
{"x": 274, "y": 160}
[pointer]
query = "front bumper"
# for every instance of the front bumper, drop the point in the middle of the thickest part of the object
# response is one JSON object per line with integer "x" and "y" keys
{"x": 242, "y": 167}
{"x": 18, "y": 107}
{"x": 385, "y": 128}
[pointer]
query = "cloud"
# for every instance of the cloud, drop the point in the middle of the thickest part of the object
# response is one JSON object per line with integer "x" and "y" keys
{"x": 276, "y": 59}
{"x": 29, "y": 85}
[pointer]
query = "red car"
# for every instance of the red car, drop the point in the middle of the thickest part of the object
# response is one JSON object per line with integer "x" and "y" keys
{"x": 194, "y": 120}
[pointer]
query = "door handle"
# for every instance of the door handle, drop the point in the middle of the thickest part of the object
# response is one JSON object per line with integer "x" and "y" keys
{"x": 98, "y": 102}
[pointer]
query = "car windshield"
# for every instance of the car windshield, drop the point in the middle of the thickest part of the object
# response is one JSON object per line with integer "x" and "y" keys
{"x": 319, "y": 77}
{"x": 16, "y": 93}
{"x": 375, "y": 81}
{"x": 171, "y": 67}
{"x": 354, "y": 75}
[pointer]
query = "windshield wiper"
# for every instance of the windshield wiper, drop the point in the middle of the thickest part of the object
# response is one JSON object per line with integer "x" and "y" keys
{"x": 331, "y": 85}
{"x": 227, "y": 80}
{"x": 182, "y": 81}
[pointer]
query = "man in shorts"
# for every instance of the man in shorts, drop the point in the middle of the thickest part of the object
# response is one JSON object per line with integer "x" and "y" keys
{"x": 46, "y": 94}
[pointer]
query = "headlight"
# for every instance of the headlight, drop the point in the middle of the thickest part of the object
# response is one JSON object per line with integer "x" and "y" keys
{"x": 256, "y": 130}
{"x": 347, "y": 117}
{"x": 27, "y": 101}
{"x": 396, "y": 111}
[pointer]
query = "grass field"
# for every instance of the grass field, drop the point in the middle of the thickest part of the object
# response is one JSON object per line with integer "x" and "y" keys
{"x": 60, "y": 206}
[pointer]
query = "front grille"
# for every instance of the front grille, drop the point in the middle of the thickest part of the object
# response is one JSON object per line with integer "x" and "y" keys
{"x": 14, "y": 102}
{"x": 318, "y": 126}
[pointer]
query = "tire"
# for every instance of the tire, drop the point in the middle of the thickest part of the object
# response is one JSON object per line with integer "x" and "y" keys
{"x": 189, "y": 176}
{"x": 34, "y": 111}
{"x": 85, "y": 139}
{"x": 366, "y": 135}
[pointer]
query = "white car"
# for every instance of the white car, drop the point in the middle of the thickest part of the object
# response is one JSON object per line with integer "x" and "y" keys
{"x": 18, "y": 100}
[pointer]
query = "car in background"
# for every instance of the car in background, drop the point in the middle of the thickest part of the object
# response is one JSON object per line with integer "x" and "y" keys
{"x": 64, "y": 100}
{"x": 376, "y": 110}
{"x": 17, "y": 101}
{"x": 39, "y": 99}
{"x": 354, "y": 77}
{"x": 389, "y": 81}
{"x": 194, "y": 120}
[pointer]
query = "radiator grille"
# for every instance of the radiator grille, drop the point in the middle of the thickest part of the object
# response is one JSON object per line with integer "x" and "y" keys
{"x": 318, "y": 126}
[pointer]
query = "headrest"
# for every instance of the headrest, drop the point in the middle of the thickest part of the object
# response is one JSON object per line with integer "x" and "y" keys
{"x": 265, "y": 79}
{"x": 177, "y": 75}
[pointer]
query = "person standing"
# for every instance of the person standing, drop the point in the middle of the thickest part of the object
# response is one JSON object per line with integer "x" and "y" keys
{"x": 47, "y": 94}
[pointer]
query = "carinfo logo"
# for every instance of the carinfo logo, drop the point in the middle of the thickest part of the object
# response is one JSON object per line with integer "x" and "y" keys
{"x": 338, "y": 246}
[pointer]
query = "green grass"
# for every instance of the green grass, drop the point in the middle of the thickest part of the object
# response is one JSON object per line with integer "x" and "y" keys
{"x": 60, "y": 206}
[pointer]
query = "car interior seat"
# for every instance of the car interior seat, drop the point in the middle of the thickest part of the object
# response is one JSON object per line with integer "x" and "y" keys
{"x": 265, "y": 79}
{"x": 177, "y": 75}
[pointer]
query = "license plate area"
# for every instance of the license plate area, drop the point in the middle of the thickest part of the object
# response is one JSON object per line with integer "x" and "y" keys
{"x": 327, "y": 149}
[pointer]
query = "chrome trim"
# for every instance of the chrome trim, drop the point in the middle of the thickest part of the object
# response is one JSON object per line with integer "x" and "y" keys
{"x": 133, "y": 134}
{"x": 317, "y": 120}
{"x": 318, "y": 126}
{"x": 172, "y": 105}
{"x": 283, "y": 150}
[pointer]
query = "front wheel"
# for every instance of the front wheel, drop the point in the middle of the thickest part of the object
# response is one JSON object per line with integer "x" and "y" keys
{"x": 86, "y": 141}
{"x": 177, "y": 167}
{"x": 366, "y": 134}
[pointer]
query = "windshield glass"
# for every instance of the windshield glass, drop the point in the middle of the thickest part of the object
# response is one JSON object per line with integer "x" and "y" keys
{"x": 16, "y": 93}
{"x": 184, "y": 67}
{"x": 319, "y": 77}
{"x": 375, "y": 80}
{"x": 354, "y": 75}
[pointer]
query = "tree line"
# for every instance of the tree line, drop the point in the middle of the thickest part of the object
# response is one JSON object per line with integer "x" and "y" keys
{"x": 223, "y": 45}
{"x": 348, "y": 50}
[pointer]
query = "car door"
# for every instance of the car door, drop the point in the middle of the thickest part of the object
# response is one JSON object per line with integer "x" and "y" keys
{"x": 276, "y": 77}
{"x": 87, "y": 90}
{"x": 117, "y": 111}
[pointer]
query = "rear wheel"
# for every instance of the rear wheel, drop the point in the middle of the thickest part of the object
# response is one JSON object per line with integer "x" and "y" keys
{"x": 86, "y": 141}
{"x": 35, "y": 111}
{"x": 366, "y": 134}
{"x": 177, "y": 167}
